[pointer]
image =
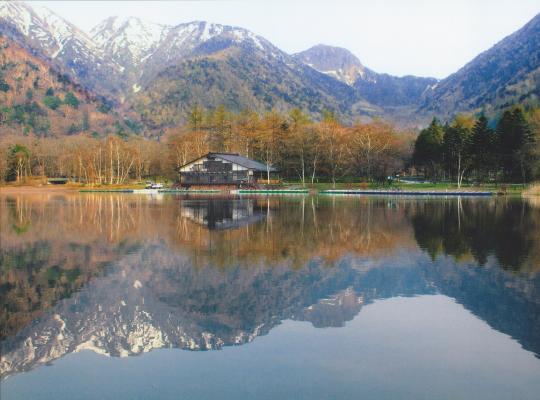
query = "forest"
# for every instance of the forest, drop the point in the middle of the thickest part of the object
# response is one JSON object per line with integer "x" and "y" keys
{"x": 465, "y": 149}
{"x": 302, "y": 149}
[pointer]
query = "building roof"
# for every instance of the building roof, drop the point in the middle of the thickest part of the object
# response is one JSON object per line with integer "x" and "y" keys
{"x": 237, "y": 159}
{"x": 243, "y": 161}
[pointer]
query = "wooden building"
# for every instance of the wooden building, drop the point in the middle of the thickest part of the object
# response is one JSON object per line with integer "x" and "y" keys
{"x": 223, "y": 169}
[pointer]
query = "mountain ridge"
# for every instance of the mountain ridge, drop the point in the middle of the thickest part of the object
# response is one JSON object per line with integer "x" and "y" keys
{"x": 131, "y": 61}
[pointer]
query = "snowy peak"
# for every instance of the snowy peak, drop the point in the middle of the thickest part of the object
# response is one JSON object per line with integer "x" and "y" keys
{"x": 334, "y": 61}
{"x": 132, "y": 41}
{"x": 44, "y": 29}
{"x": 53, "y": 38}
{"x": 129, "y": 40}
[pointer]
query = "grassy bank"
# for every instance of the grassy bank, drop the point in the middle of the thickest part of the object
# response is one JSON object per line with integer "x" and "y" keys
{"x": 512, "y": 189}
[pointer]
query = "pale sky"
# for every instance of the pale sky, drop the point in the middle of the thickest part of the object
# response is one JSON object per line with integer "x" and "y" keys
{"x": 399, "y": 37}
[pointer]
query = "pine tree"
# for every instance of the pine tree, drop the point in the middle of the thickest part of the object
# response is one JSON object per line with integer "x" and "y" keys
{"x": 506, "y": 143}
{"x": 525, "y": 152}
{"x": 516, "y": 145}
{"x": 428, "y": 148}
{"x": 483, "y": 148}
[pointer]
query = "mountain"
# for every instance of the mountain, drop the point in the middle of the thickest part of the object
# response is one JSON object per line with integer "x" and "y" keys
{"x": 51, "y": 37}
{"x": 37, "y": 98}
{"x": 382, "y": 90}
{"x": 242, "y": 76}
{"x": 158, "y": 72}
{"x": 506, "y": 74}
{"x": 161, "y": 71}
{"x": 334, "y": 61}
{"x": 170, "y": 69}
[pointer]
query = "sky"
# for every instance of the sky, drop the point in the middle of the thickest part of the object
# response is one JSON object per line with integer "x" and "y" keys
{"x": 400, "y": 37}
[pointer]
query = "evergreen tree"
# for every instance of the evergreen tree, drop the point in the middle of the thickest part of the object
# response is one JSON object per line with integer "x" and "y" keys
{"x": 483, "y": 148}
{"x": 71, "y": 100}
{"x": 516, "y": 145}
{"x": 524, "y": 156}
{"x": 195, "y": 118}
{"x": 428, "y": 148}
{"x": 506, "y": 143}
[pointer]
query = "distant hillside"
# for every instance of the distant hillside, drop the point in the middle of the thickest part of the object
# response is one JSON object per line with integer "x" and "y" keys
{"x": 35, "y": 98}
{"x": 156, "y": 72}
{"x": 241, "y": 77}
{"x": 507, "y": 73}
{"x": 382, "y": 90}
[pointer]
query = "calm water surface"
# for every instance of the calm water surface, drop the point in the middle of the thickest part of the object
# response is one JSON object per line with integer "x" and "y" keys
{"x": 109, "y": 296}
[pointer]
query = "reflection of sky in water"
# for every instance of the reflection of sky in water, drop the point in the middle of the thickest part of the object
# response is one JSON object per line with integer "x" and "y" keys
{"x": 407, "y": 348}
{"x": 319, "y": 293}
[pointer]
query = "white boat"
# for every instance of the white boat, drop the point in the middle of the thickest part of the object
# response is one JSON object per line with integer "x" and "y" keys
{"x": 146, "y": 191}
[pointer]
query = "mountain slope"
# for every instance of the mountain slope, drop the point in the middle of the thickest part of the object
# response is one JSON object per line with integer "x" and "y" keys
{"x": 36, "y": 98}
{"x": 170, "y": 69}
{"x": 507, "y": 73}
{"x": 241, "y": 77}
{"x": 71, "y": 51}
{"x": 382, "y": 90}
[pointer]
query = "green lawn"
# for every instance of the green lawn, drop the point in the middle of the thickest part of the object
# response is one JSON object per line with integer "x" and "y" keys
{"x": 491, "y": 187}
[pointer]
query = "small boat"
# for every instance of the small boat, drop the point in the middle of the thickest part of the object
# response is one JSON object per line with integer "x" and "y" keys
{"x": 146, "y": 191}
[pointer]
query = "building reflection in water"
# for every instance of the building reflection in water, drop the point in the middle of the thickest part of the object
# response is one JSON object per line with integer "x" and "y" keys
{"x": 219, "y": 213}
{"x": 122, "y": 275}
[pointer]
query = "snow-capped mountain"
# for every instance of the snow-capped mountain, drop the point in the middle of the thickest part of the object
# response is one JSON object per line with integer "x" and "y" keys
{"x": 143, "y": 49}
{"x": 161, "y": 71}
{"x": 56, "y": 39}
{"x": 46, "y": 30}
{"x": 133, "y": 41}
{"x": 128, "y": 40}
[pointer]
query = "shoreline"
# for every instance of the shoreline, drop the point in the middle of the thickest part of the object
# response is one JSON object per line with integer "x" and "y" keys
{"x": 533, "y": 190}
{"x": 37, "y": 189}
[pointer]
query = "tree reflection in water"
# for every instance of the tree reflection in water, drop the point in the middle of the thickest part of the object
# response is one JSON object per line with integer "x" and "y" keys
{"x": 123, "y": 274}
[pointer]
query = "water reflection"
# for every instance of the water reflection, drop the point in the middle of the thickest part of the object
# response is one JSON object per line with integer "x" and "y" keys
{"x": 222, "y": 213}
{"x": 125, "y": 274}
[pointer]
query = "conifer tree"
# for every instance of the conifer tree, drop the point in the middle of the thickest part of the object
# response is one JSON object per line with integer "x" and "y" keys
{"x": 483, "y": 148}
{"x": 428, "y": 148}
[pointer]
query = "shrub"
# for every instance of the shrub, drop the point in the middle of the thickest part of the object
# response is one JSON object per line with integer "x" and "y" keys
{"x": 52, "y": 102}
{"x": 71, "y": 100}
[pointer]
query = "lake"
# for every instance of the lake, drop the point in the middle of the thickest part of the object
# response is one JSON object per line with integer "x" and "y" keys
{"x": 126, "y": 296}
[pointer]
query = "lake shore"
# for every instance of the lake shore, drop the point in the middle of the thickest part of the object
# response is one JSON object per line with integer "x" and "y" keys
{"x": 37, "y": 189}
{"x": 511, "y": 189}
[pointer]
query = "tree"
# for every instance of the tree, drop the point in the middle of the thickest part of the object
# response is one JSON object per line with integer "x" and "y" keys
{"x": 71, "y": 100}
{"x": 19, "y": 156}
{"x": 53, "y": 102}
{"x": 516, "y": 143}
{"x": 336, "y": 148}
{"x": 525, "y": 154}
{"x": 299, "y": 143}
{"x": 195, "y": 118}
{"x": 428, "y": 148}
{"x": 270, "y": 138}
{"x": 219, "y": 123}
{"x": 370, "y": 145}
{"x": 483, "y": 147}
{"x": 457, "y": 147}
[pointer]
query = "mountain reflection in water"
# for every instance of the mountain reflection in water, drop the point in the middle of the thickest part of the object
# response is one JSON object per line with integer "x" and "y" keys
{"x": 124, "y": 274}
